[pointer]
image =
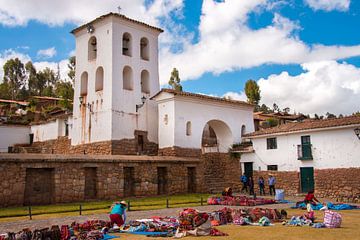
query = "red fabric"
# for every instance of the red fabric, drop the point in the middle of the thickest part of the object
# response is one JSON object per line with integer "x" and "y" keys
{"x": 116, "y": 218}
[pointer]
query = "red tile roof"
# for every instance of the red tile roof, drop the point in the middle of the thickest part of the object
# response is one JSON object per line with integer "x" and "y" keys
{"x": 119, "y": 16}
{"x": 201, "y": 96}
{"x": 307, "y": 125}
{"x": 13, "y": 101}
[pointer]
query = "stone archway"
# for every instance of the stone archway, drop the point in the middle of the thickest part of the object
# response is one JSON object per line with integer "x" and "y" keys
{"x": 216, "y": 137}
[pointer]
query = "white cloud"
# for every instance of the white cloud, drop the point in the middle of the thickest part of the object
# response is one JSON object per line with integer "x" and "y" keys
{"x": 9, "y": 54}
{"x": 329, "y": 5}
{"x": 326, "y": 86}
{"x": 226, "y": 43}
{"x": 236, "y": 96}
{"x": 24, "y": 58}
{"x": 46, "y": 53}
{"x": 58, "y": 12}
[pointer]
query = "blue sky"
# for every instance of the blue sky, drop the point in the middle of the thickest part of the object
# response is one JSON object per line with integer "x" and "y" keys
{"x": 305, "y": 54}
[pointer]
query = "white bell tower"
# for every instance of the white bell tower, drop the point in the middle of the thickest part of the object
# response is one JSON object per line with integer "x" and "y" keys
{"x": 116, "y": 73}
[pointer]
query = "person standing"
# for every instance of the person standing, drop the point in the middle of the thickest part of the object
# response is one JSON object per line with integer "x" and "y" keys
{"x": 271, "y": 182}
{"x": 261, "y": 183}
{"x": 118, "y": 213}
{"x": 244, "y": 180}
{"x": 251, "y": 185}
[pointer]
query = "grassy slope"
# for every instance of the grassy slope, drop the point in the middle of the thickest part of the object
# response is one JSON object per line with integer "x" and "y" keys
{"x": 57, "y": 210}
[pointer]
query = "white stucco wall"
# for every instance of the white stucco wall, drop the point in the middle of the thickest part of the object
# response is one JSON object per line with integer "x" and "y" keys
{"x": 227, "y": 120}
{"x": 48, "y": 131}
{"x": 12, "y": 134}
{"x": 114, "y": 108}
{"x": 337, "y": 148}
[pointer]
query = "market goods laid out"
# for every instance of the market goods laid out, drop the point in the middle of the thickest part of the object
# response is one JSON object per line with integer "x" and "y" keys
{"x": 239, "y": 201}
{"x": 331, "y": 220}
{"x": 90, "y": 230}
{"x": 190, "y": 222}
{"x": 328, "y": 205}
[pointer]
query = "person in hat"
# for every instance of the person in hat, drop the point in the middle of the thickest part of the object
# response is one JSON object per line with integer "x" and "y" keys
{"x": 227, "y": 192}
{"x": 271, "y": 182}
{"x": 118, "y": 213}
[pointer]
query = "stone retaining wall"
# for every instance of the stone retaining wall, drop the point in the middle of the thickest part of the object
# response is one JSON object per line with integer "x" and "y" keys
{"x": 179, "y": 151}
{"x": 62, "y": 145}
{"x": 68, "y": 176}
{"x": 289, "y": 181}
{"x": 340, "y": 184}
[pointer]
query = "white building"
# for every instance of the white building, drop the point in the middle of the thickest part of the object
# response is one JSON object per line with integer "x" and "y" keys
{"x": 116, "y": 65}
{"x": 116, "y": 75}
{"x": 305, "y": 147}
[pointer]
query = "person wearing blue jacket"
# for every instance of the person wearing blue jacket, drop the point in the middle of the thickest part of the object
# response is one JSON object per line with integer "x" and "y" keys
{"x": 118, "y": 213}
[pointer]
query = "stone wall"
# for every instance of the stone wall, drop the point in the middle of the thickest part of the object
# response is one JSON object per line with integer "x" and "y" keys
{"x": 68, "y": 176}
{"x": 62, "y": 145}
{"x": 178, "y": 151}
{"x": 342, "y": 184}
{"x": 289, "y": 181}
{"x": 221, "y": 171}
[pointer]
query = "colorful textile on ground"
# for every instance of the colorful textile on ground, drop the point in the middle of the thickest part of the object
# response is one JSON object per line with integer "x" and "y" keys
{"x": 239, "y": 201}
{"x": 153, "y": 226}
{"x": 193, "y": 222}
{"x": 329, "y": 205}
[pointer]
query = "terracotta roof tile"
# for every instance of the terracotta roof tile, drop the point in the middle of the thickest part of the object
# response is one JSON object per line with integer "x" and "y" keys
{"x": 201, "y": 96}
{"x": 307, "y": 125}
{"x": 119, "y": 16}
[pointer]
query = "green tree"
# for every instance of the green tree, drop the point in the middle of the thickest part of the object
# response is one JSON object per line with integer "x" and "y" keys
{"x": 330, "y": 115}
{"x": 71, "y": 65}
{"x": 5, "y": 92}
{"x": 14, "y": 75}
{"x": 252, "y": 92}
{"x": 174, "y": 80}
{"x": 32, "y": 78}
{"x": 46, "y": 80}
{"x": 276, "y": 108}
{"x": 65, "y": 90}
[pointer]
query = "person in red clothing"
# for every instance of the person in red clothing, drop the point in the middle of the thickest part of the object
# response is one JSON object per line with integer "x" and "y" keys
{"x": 309, "y": 198}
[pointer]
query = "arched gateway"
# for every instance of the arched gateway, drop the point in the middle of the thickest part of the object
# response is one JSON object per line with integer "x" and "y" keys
{"x": 216, "y": 123}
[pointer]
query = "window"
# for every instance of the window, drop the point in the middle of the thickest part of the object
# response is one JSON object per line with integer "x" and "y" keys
{"x": 84, "y": 84}
{"x": 305, "y": 140}
{"x": 271, "y": 143}
{"x": 127, "y": 78}
{"x": 272, "y": 167}
{"x": 126, "y": 44}
{"x": 145, "y": 82}
{"x": 243, "y": 129}
{"x": 144, "y": 48}
{"x": 92, "y": 48}
{"x": 99, "y": 80}
{"x": 304, "y": 150}
{"x": 188, "y": 128}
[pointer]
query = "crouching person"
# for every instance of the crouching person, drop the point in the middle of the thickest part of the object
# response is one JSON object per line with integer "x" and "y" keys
{"x": 118, "y": 214}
